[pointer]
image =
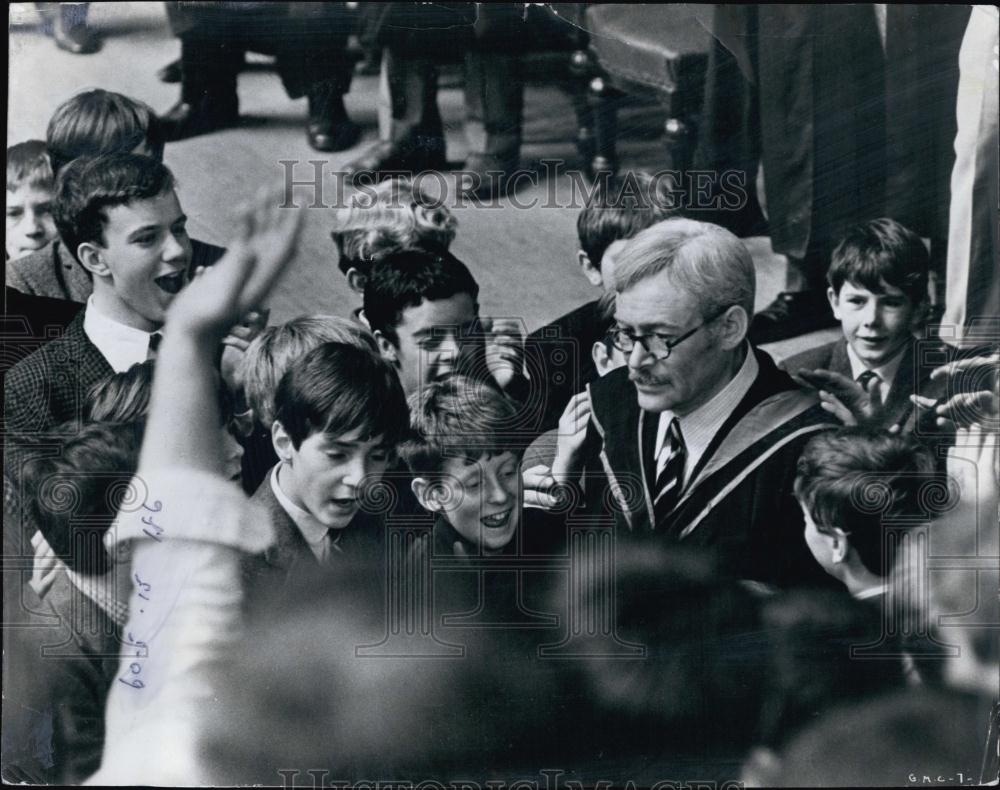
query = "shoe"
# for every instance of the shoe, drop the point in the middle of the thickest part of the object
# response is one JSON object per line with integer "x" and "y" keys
{"x": 329, "y": 128}
{"x": 185, "y": 120}
{"x": 488, "y": 174}
{"x": 332, "y": 135}
{"x": 793, "y": 313}
{"x": 414, "y": 153}
{"x": 78, "y": 40}
{"x": 170, "y": 73}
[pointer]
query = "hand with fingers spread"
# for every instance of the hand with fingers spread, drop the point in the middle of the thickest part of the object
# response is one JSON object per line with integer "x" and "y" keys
{"x": 976, "y": 399}
{"x": 504, "y": 349}
{"x": 217, "y": 298}
{"x": 572, "y": 432}
{"x": 841, "y": 396}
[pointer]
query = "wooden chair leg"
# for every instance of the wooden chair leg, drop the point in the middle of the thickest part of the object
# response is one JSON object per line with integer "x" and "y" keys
{"x": 603, "y": 102}
{"x": 581, "y": 69}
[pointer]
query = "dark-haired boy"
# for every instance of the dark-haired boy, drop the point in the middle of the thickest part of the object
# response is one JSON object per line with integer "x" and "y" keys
{"x": 122, "y": 220}
{"x": 832, "y": 472}
{"x": 423, "y": 308}
{"x": 92, "y": 123}
{"x": 878, "y": 291}
{"x": 339, "y": 414}
{"x": 561, "y": 349}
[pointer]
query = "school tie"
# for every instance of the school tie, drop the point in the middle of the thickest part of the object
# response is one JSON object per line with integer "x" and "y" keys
{"x": 154, "y": 345}
{"x": 331, "y": 546}
{"x": 671, "y": 477}
{"x": 869, "y": 381}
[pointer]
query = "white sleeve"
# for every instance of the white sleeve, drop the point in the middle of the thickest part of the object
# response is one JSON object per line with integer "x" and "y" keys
{"x": 187, "y": 531}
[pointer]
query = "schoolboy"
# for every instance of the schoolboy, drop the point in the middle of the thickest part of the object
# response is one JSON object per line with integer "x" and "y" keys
{"x": 878, "y": 291}
{"x": 339, "y": 415}
{"x": 121, "y": 218}
{"x": 266, "y": 360}
{"x": 30, "y": 185}
{"x": 423, "y": 309}
{"x": 394, "y": 215}
{"x": 92, "y": 123}
{"x": 466, "y": 465}
{"x": 613, "y": 214}
{"x": 832, "y": 474}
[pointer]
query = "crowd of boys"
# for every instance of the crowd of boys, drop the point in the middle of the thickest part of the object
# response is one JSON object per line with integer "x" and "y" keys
{"x": 717, "y": 540}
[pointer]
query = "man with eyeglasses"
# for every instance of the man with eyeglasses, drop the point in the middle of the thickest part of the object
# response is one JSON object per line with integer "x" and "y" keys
{"x": 696, "y": 439}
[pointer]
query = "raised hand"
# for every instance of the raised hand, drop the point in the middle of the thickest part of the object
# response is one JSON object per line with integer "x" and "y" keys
{"x": 504, "y": 349}
{"x": 572, "y": 432}
{"x": 217, "y": 298}
{"x": 841, "y": 396}
{"x": 976, "y": 400}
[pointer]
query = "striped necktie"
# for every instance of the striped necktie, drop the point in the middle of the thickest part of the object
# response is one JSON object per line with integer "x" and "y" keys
{"x": 671, "y": 478}
{"x": 869, "y": 381}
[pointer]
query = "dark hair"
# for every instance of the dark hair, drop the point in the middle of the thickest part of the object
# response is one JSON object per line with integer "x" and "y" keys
{"x": 459, "y": 417}
{"x": 73, "y": 498}
{"x": 841, "y": 473}
{"x": 99, "y": 122}
{"x": 28, "y": 162}
{"x": 337, "y": 388}
{"x": 619, "y": 209}
{"x": 404, "y": 279}
{"x": 811, "y": 634}
{"x": 88, "y": 187}
{"x": 881, "y": 252}
{"x": 124, "y": 396}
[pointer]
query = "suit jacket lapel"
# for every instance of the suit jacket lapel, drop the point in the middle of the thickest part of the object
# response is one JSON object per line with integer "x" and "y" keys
{"x": 289, "y": 546}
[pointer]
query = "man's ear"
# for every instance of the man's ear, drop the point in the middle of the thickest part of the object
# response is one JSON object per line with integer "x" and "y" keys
{"x": 734, "y": 325}
{"x": 920, "y": 315}
{"x": 590, "y": 271}
{"x": 92, "y": 259}
{"x": 386, "y": 347}
{"x": 841, "y": 545}
{"x": 834, "y": 300}
{"x": 356, "y": 280}
{"x": 282, "y": 442}
{"x": 427, "y": 494}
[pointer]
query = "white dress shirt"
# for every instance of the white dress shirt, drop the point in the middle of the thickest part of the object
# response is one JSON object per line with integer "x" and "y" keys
{"x": 122, "y": 346}
{"x": 700, "y": 426}
{"x": 886, "y": 373}
{"x": 316, "y": 535}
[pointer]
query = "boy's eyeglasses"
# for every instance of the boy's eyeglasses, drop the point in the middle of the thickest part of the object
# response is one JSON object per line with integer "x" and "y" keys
{"x": 655, "y": 343}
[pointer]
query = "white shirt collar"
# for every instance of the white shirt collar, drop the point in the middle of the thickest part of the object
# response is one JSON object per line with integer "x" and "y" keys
{"x": 886, "y": 373}
{"x": 122, "y": 346}
{"x": 871, "y": 592}
{"x": 315, "y": 533}
{"x": 700, "y": 426}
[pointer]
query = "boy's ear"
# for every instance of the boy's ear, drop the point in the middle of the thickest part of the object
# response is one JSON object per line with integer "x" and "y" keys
{"x": 92, "y": 259}
{"x": 841, "y": 545}
{"x": 386, "y": 347}
{"x": 356, "y": 280}
{"x": 427, "y": 494}
{"x": 282, "y": 442}
{"x": 834, "y": 300}
{"x": 590, "y": 271}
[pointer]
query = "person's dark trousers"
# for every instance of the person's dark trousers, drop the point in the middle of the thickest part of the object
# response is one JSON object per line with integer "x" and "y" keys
{"x": 307, "y": 40}
{"x": 494, "y": 100}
